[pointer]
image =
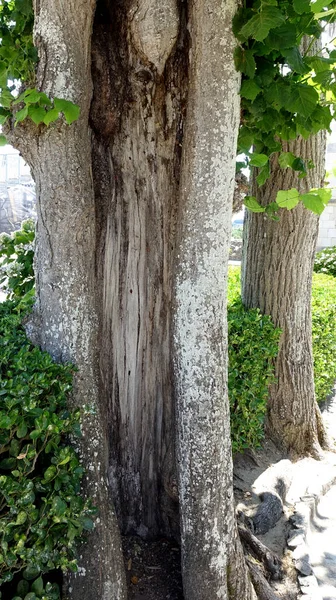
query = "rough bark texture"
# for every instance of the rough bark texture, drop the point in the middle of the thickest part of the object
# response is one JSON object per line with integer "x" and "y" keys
{"x": 108, "y": 194}
{"x": 277, "y": 277}
{"x": 212, "y": 564}
{"x": 66, "y": 320}
{"x": 139, "y": 64}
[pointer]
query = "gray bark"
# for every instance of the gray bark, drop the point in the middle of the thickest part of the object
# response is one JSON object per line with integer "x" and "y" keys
{"x": 211, "y": 554}
{"x": 65, "y": 321}
{"x": 109, "y": 190}
{"x": 277, "y": 277}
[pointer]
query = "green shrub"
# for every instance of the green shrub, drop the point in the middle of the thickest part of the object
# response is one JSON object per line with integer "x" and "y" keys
{"x": 324, "y": 334}
{"x": 16, "y": 260}
{"x": 253, "y": 346}
{"x": 42, "y": 514}
{"x": 325, "y": 261}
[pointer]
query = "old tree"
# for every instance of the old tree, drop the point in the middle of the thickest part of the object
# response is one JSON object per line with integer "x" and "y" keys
{"x": 134, "y": 208}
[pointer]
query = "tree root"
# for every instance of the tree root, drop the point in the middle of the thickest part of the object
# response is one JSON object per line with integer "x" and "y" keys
{"x": 260, "y": 583}
{"x": 271, "y": 561}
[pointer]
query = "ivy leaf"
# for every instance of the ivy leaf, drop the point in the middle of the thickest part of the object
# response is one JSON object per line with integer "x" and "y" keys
{"x": 21, "y": 518}
{"x": 249, "y": 89}
{"x": 299, "y": 165}
{"x": 302, "y": 6}
{"x": 258, "y": 160}
{"x": 294, "y": 60}
{"x": 286, "y": 159}
{"x": 37, "y": 114}
{"x": 69, "y": 109}
{"x": 259, "y": 26}
{"x": 245, "y": 61}
{"x": 302, "y": 100}
{"x": 51, "y": 116}
{"x": 252, "y": 204}
{"x": 313, "y": 202}
{"x": 288, "y": 198}
{"x": 59, "y": 506}
{"x": 87, "y": 523}
{"x": 37, "y": 586}
{"x": 323, "y": 193}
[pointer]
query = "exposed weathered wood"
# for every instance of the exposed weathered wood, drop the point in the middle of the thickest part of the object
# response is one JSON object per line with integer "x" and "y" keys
{"x": 260, "y": 583}
{"x": 271, "y": 561}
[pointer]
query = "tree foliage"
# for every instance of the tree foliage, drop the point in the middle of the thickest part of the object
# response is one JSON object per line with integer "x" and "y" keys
{"x": 288, "y": 90}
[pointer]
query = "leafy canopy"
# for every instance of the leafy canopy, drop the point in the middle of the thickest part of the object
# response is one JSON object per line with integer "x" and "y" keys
{"x": 288, "y": 89}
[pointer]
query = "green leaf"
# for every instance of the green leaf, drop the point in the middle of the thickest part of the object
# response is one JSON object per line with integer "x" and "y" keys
{"x": 249, "y": 89}
{"x": 70, "y": 110}
{"x": 31, "y": 596}
{"x": 263, "y": 174}
{"x": 259, "y": 26}
{"x": 22, "y": 587}
{"x": 294, "y": 60}
{"x": 21, "y": 518}
{"x": 51, "y": 116}
{"x": 21, "y": 430}
{"x": 50, "y": 473}
{"x": 87, "y": 523}
{"x": 37, "y": 114}
{"x": 245, "y": 61}
{"x": 324, "y": 193}
{"x": 58, "y": 506}
{"x": 286, "y": 159}
{"x": 299, "y": 165}
{"x": 313, "y": 202}
{"x": 282, "y": 37}
{"x": 37, "y": 586}
{"x": 319, "y": 5}
{"x": 21, "y": 115}
{"x": 302, "y": 6}
{"x": 258, "y": 160}
{"x": 288, "y": 198}
{"x": 302, "y": 100}
{"x": 3, "y": 140}
{"x": 253, "y": 205}
{"x": 31, "y": 572}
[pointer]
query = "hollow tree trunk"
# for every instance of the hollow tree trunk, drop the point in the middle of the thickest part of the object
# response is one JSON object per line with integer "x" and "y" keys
{"x": 140, "y": 73}
{"x": 277, "y": 271}
{"x": 65, "y": 322}
{"x": 108, "y": 193}
{"x": 212, "y": 561}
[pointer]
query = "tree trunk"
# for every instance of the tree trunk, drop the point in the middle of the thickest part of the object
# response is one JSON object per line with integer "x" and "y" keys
{"x": 212, "y": 560}
{"x": 277, "y": 271}
{"x": 108, "y": 194}
{"x": 65, "y": 321}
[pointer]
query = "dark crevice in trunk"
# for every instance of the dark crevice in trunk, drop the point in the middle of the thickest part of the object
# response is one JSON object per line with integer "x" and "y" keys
{"x": 137, "y": 120}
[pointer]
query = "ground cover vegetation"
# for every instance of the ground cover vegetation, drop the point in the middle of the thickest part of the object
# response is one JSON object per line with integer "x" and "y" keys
{"x": 42, "y": 513}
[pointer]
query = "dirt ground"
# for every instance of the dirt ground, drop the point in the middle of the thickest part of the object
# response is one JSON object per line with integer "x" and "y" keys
{"x": 153, "y": 569}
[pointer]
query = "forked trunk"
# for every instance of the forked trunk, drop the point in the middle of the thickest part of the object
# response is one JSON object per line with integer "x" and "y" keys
{"x": 277, "y": 271}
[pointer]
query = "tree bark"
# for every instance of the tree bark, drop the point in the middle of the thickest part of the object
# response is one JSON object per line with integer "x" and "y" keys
{"x": 108, "y": 192}
{"x": 65, "y": 320}
{"x": 140, "y": 65}
{"x": 212, "y": 560}
{"x": 277, "y": 271}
